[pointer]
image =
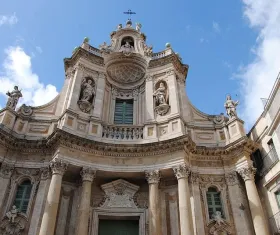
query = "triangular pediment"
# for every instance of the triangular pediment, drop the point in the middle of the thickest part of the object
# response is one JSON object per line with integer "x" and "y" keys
{"x": 119, "y": 193}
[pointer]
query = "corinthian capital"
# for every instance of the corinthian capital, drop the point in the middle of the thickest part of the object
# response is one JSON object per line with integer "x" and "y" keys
{"x": 153, "y": 177}
{"x": 181, "y": 171}
{"x": 247, "y": 173}
{"x": 6, "y": 170}
{"x": 88, "y": 174}
{"x": 58, "y": 166}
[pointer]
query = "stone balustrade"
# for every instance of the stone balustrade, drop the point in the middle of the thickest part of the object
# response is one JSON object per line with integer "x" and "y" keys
{"x": 94, "y": 51}
{"x": 161, "y": 54}
{"x": 123, "y": 132}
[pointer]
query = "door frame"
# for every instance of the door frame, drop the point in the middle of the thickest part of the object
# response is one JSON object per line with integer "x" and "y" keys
{"x": 117, "y": 213}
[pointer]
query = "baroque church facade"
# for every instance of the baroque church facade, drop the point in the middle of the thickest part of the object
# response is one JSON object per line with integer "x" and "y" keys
{"x": 121, "y": 150}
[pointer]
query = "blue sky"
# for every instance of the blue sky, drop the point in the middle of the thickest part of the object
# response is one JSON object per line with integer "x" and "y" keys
{"x": 231, "y": 46}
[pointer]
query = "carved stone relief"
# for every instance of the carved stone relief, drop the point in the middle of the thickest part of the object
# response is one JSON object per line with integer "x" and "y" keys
{"x": 119, "y": 194}
{"x": 87, "y": 94}
{"x": 13, "y": 223}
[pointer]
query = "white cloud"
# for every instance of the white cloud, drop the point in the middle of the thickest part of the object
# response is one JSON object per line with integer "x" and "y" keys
{"x": 216, "y": 27}
{"x": 203, "y": 40}
{"x": 8, "y": 19}
{"x": 17, "y": 70}
{"x": 257, "y": 77}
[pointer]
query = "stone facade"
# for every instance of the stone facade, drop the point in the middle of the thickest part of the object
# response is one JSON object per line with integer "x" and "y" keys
{"x": 156, "y": 164}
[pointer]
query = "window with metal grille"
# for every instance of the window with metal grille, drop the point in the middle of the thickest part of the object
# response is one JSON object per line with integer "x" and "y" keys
{"x": 214, "y": 202}
{"x": 123, "y": 112}
{"x": 23, "y": 196}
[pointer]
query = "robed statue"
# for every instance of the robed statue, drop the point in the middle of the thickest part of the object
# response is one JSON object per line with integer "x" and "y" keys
{"x": 230, "y": 106}
{"x": 13, "y": 98}
{"x": 86, "y": 95}
{"x": 161, "y": 99}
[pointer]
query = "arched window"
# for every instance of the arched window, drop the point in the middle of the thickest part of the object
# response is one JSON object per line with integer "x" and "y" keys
{"x": 23, "y": 196}
{"x": 214, "y": 202}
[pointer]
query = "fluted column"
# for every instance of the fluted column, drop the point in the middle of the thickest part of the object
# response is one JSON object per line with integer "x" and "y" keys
{"x": 153, "y": 178}
{"x": 88, "y": 176}
{"x": 186, "y": 224}
{"x": 259, "y": 220}
{"x": 58, "y": 168}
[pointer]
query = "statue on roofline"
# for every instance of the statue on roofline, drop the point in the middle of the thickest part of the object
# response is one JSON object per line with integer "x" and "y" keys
{"x": 13, "y": 98}
{"x": 230, "y": 106}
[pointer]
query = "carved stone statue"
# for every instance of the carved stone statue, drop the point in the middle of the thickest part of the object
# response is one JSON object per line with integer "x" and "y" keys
{"x": 26, "y": 110}
{"x": 13, "y": 98}
{"x": 127, "y": 48}
{"x": 217, "y": 216}
{"x": 148, "y": 50}
{"x": 12, "y": 214}
{"x": 230, "y": 106}
{"x": 87, "y": 95}
{"x": 138, "y": 27}
{"x": 161, "y": 99}
{"x": 119, "y": 26}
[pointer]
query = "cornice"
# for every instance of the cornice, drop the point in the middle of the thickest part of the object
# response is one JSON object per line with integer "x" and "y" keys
{"x": 82, "y": 53}
{"x": 172, "y": 58}
{"x": 61, "y": 138}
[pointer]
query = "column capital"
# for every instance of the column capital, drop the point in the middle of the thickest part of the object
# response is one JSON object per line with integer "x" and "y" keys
{"x": 153, "y": 177}
{"x": 58, "y": 166}
{"x": 88, "y": 174}
{"x": 6, "y": 170}
{"x": 231, "y": 178}
{"x": 247, "y": 173}
{"x": 181, "y": 171}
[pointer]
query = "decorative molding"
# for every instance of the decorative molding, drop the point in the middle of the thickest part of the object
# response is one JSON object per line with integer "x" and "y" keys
{"x": 45, "y": 173}
{"x": 247, "y": 173}
{"x": 119, "y": 194}
{"x": 181, "y": 171}
{"x": 231, "y": 178}
{"x": 195, "y": 177}
{"x": 6, "y": 170}
{"x": 58, "y": 166}
{"x": 153, "y": 177}
{"x": 88, "y": 174}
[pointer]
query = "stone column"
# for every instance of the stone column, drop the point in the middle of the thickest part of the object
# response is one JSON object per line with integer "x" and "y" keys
{"x": 186, "y": 224}
{"x": 6, "y": 172}
{"x": 198, "y": 212}
{"x": 259, "y": 220}
{"x": 153, "y": 178}
{"x": 58, "y": 168}
{"x": 240, "y": 213}
{"x": 38, "y": 210}
{"x": 88, "y": 175}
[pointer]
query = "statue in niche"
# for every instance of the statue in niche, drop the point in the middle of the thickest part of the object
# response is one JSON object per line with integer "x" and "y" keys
{"x": 230, "y": 106}
{"x": 161, "y": 98}
{"x": 87, "y": 94}
{"x": 127, "y": 48}
{"x": 13, "y": 98}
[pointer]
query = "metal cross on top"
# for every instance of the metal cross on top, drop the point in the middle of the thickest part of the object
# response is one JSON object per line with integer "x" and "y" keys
{"x": 129, "y": 12}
